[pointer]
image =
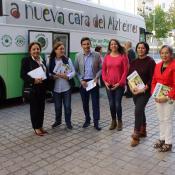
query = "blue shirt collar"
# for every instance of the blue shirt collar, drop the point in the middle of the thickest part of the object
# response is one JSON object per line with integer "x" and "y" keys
{"x": 88, "y": 53}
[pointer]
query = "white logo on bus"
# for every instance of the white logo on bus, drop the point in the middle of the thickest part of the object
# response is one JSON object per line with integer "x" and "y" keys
{"x": 20, "y": 41}
{"x": 6, "y": 40}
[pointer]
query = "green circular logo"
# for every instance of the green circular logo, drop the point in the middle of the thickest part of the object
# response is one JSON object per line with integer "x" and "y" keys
{"x": 20, "y": 41}
{"x": 43, "y": 40}
{"x": 6, "y": 40}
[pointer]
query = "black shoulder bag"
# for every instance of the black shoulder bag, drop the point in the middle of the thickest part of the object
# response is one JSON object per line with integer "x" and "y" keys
{"x": 27, "y": 90}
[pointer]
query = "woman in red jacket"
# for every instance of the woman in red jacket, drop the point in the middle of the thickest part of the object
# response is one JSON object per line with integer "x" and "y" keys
{"x": 165, "y": 74}
{"x": 114, "y": 72}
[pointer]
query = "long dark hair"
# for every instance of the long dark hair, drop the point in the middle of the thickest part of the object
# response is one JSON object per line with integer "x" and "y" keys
{"x": 121, "y": 49}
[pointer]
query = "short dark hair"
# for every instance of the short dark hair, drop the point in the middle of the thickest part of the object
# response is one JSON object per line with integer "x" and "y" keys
{"x": 145, "y": 45}
{"x": 98, "y": 48}
{"x": 170, "y": 49}
{"x": 84, "y": 39}
{"x": 33, "y": 43}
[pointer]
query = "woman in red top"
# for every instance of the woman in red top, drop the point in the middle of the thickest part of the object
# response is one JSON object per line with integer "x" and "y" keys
{"x": 165, "y": 74}
{"x": 144, "y": 65}
{"x": 114, "y": 72}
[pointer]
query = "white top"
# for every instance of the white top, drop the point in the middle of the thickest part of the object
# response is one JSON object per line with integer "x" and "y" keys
{"x": 62, "y": 85}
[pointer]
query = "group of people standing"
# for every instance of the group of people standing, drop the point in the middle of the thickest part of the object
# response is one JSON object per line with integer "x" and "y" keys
{"x": 114, "y": 69}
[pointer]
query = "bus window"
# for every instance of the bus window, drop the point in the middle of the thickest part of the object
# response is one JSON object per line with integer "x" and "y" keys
{"x": 142, "y": 36}
{"x": 1, "y": 12}
{"x": 64, "y": 37}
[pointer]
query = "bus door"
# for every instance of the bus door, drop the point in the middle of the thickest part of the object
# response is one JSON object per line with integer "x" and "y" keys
{"x": 63, "y": 37}
{"x": 142, "y": 36}
{"x": 1, "y": 8}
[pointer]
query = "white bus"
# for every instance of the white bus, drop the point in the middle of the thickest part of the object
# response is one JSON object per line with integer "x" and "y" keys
{"x": 48, "y": 21}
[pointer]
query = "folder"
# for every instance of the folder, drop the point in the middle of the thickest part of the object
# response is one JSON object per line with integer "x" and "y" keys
{"x": 37, "y": 73}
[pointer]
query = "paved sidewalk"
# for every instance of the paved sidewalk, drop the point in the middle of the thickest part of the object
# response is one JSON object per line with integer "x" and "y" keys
{"x": 80, "y": 151}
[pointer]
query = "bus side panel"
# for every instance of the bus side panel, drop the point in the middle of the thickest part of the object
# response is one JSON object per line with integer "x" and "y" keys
{"x": 72, "y": 56}
{"x": 3, "y": 68}
{"x": 14, "y": 84}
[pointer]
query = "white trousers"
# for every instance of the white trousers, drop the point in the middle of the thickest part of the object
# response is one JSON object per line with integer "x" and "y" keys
{"x": 165, "y": 113}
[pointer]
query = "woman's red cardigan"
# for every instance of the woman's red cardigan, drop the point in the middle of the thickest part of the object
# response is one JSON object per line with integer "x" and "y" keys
{"x": 166, "y": 78}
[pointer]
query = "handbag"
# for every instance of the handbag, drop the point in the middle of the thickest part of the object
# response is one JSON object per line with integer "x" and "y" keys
{"x": 27, "y": 89}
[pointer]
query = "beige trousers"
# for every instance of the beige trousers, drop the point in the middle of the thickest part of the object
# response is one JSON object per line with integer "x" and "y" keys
{"x": 165, "y": 113}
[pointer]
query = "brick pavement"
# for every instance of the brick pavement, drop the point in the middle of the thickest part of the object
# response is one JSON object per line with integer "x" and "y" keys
{"x": 80, "y": 151}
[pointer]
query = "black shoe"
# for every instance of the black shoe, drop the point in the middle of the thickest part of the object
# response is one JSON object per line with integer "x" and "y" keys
{"x": 69, "y": 126}
{"x": 97, "y": 128}
{"x": 56, "y": 124}
{"x": 86, "y": 124}
{"x": 50, "y": 100}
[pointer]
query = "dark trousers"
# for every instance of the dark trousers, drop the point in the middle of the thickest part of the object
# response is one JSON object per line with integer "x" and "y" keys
{"x": 65, "y": 98}
{"x": 37, "y": 106}
{"x": 115, "y": 100}
{"x": 95, "y": 103}
{"x": 128, "y": 92}
{"x": 140, "y": 102}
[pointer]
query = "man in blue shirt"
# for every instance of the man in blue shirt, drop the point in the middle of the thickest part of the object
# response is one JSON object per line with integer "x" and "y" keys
{"x": 88, "y": 67}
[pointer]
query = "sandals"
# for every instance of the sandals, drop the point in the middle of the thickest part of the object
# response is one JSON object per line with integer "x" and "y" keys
{"x": 165, "y": 148}
{"x": 43, "y": 131}
{"x": 38, "y": 132}
{"x": 159, "y": 144}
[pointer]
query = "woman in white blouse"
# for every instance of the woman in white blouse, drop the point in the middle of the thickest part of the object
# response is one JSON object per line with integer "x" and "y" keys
{"x": 62, "y": 71}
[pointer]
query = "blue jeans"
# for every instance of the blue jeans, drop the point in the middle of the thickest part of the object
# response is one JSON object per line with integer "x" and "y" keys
{"x": 65, "y": 98}
{"x": 115, "y": 100}
{"x": 95, "y": 103}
